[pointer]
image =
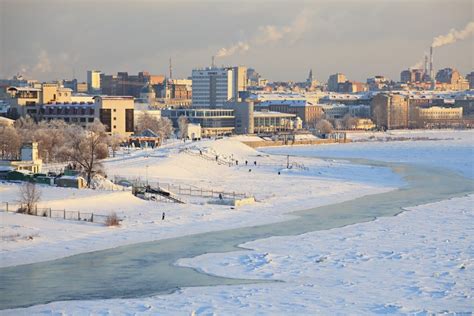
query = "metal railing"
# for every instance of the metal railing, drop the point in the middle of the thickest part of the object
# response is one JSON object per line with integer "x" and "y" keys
{"x": 54, "y": 213}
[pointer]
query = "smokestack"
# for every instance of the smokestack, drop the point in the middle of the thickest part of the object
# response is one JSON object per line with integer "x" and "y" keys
{"x": 212, "y": 64}
{"x": 431, "y": 64}
{"x": 425, "y": 69}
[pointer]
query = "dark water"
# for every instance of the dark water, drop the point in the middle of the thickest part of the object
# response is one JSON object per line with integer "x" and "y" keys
{"x": 146, "y": 269}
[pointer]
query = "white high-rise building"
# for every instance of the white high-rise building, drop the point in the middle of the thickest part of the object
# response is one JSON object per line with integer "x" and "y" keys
{"x": 212, "y": 87}
{"x": 93, "y": 81}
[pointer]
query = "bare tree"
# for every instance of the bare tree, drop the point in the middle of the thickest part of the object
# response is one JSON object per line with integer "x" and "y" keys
{"x": 183, "y": 126}
{"x": 166, "y": 128}
{"x": 86, "y": 148}
{"x": 162, "y": 126}
{"x": 349, "y": 121}
{"x": 10, "y": 142}
{"x": 114, "y": 141}
{"x": 324, "y": 126}
{"x": 49, "y": 135}
{"x": 26, "y": 128}
{"x": 146, "y": 121}
{"x": 29, "y": 197}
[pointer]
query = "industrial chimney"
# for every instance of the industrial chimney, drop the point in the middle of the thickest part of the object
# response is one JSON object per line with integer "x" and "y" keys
{"x": 425, "y": 68}
{"x": 431, "y": 64}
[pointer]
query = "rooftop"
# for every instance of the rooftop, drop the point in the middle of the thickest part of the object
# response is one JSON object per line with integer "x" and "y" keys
{"x": 272, "y": 114}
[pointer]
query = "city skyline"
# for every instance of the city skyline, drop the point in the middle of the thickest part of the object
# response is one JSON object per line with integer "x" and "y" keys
{"x": 280, "y": 40}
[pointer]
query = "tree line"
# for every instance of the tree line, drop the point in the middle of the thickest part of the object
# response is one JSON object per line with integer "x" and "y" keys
{"x": 60, "y": 142}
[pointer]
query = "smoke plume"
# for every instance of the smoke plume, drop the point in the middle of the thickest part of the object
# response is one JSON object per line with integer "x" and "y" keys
{"x": 454, "y": 36}
{"x": 271, "y": 34}
{"x": 228, "y": 51}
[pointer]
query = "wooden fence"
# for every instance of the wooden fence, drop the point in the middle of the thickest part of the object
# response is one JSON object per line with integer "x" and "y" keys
{"x": 183, "y": 189}
{"x": 55, "y": 213}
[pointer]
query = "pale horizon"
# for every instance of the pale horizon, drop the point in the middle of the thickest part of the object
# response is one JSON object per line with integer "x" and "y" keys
{"x": 50, "y": 40}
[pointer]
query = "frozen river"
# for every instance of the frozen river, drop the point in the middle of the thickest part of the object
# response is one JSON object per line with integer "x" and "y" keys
{"x": 147, "y": 269}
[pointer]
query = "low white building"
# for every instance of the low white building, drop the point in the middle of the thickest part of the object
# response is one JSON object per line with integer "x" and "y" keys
{"x": 193, "y": 131}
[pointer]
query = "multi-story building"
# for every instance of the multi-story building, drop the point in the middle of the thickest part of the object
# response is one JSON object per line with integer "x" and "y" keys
{"x": 116, "y": 113}
{"x": 307, "y": 111}
{"x": 240, "y": 80}
{"x": 25, "y": 99}
{"x": 351, "y": 87}
{"x": 93, "y": 81}
{"x": 439, "y": 114}
{"x": 124, "y": 84}
{"x": 378, "y": 83}
{"x": 335, "y": 111}
{"x": 348, "y": 99}
{"x": 390, "y": 110}
{"x": 213, "y": 122}
{"x": 75, "y": 86}
{"x": 54, "y": 92}
{"x": 249, "y": 121}
{"x": 272, "y": 122}
{"x": 335, "y": 80}
{"x": 244, "y": 116}
{"x": 448, "y": 75}
{"x": 412, "y": 75}
{"x": 451, "y": 79}
{"x": 470, "y": 79}
{"x": 360, "y": 111}
{"x": 213, "y": 87}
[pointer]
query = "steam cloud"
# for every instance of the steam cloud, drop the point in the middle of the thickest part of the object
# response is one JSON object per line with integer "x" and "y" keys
{"x": 271, "y": 34}
{"x": 454, "y": 36}
{"x": 229, "y": 51}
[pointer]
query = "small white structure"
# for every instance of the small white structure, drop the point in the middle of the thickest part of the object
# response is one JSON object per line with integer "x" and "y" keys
{"x": 193, "y": 131}
{"x": 29, "y": 159}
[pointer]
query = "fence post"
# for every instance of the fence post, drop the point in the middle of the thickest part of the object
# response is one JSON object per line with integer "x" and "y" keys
{"x": 78, "y": 215}
{"x": 92, "y": 217}
{"x": 7, "y": 206}
{"x": 64, "y": 213}
{"x": 36, "y": 209}
{"x": 50, "y": 212}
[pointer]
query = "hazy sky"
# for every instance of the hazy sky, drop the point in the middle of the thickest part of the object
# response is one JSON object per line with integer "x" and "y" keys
{"x": 282, "y": 40}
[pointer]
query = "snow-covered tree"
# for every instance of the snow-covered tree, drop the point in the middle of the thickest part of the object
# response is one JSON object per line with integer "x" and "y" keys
{"x": 162, "y": 126}
{"x": 324, "y": 126}
{"x": 10, "y": 142}
{"x": 86, "y": 147}
{"x": 183, "y": 126}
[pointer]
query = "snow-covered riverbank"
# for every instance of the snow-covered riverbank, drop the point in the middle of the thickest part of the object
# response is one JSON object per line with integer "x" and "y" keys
{"x": 296, "y": 189}
{"x": 396, "y": 265}
{"x": 419, "y": 261}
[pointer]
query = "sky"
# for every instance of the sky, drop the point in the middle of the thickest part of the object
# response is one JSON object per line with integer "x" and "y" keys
{"x": 282, "y": 40}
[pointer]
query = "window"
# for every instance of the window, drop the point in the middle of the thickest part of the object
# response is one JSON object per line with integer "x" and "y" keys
{"x": 105, "y": 118}
{"x": 129, "y": 120}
